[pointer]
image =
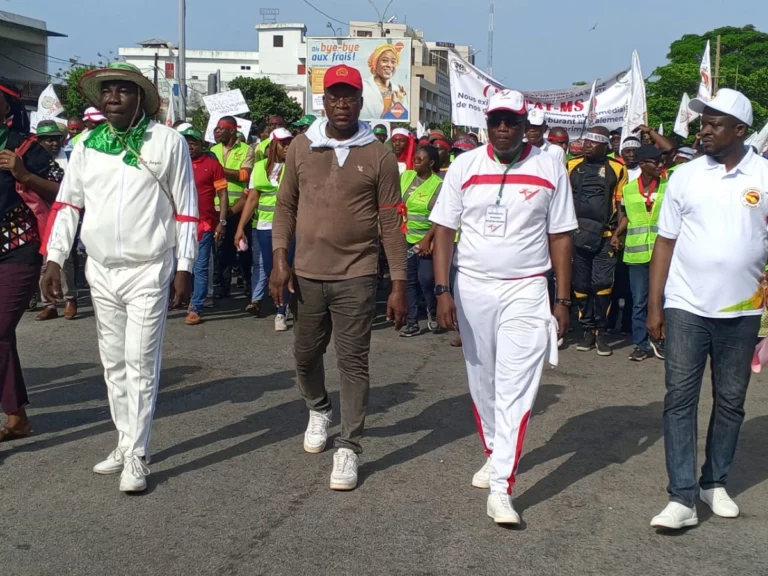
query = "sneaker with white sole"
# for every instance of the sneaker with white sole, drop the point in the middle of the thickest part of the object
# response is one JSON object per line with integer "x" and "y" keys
{"x": 316, "y": 436}
{"x": 722, "y": 504}
{"x": 280, "y": 324}
{"x": 500, "y": 508}
{"x": 432, "y": 323}
{"x": 134, "y": 476}
{"x": 675, "y": 516}
{"x": 482, "y": 478}
{"x": 112, "y": 465}
{"x": 344, "y": 475}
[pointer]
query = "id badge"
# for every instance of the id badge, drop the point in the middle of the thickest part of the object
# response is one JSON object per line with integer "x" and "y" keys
{"x": 495, "y": 222}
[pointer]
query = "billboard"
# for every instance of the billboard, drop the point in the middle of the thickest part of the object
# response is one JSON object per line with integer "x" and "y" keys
{"x": 384, "y": 64}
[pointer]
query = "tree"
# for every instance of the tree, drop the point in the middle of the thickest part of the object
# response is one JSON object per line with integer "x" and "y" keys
{"x": 265, "y": 98}
{"x": 74, "y": 104}
{"x": 743, "y": 66}
{"x": 200, "y": 119}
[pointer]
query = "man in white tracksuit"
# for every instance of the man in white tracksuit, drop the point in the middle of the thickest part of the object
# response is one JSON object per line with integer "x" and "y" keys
{"x": 133, "y": 178}
{"x": 514, "y": 207}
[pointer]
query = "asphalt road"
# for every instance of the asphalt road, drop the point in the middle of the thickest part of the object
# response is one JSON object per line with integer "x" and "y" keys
{"x": 232, "y": 492}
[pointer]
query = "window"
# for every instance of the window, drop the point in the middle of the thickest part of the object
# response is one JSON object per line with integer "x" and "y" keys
{"x": 301, "y": 69}
{"x": 195, "y": 78}
{"x": 245, "y": 67}
{"x": 277, "y": 41}
{"x": 170, "y": 69}
{"x": 364, "y": 34}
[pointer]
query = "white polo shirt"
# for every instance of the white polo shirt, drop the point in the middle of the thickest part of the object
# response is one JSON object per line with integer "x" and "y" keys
{"x": 719, "y": 221}
{"x": 537, "y": 199}
{"x": 553, "y": 150}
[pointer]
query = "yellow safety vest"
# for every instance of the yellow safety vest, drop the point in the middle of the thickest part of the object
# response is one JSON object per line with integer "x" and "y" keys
{"x": 234, "y": 161}
{"x": 267, "y": 191}
{"x": 417, "y": 204}
{"x": 643, "y": 226}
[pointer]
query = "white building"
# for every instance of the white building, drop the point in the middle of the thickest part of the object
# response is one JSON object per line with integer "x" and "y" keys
{"x": 281, "y": 57}
{"x": 24, "y": 53}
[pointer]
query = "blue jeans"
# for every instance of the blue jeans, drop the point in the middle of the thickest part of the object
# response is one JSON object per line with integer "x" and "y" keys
{"x": 259, "y": 278}
{"x": 265, "y": 243}
{"x": 201, "y": 271}
{"x": 730, "y": 342}
{"x": 421, "y": 279}
{"x": 639, "y": 284}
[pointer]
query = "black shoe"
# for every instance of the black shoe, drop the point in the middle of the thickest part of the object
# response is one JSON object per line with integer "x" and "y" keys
{"x": 639, "y": 355}
{"x": 410, "y": 331}
{"x": 603, "y": 349}
{"x": 587, "y": 343}
{"x": 658, "y": 348}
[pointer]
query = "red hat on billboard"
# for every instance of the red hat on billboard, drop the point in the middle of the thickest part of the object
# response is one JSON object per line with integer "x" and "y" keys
{"x": 343, "y": 74}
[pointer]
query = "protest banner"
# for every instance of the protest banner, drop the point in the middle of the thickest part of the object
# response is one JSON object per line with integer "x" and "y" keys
{"x": 705, "y": 71}
{"x": 567, "y": 108}
{"x": 228, "y": 103}
{"x": 48, "y": 104}
{"x": 684, "y": 116}
{"x": 243, "y": 126}
{"x": 384, "y": 64}
{"x": 637, "y": 107}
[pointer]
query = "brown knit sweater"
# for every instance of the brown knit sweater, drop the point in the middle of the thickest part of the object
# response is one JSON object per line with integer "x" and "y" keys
{"x": 335, "y": 212}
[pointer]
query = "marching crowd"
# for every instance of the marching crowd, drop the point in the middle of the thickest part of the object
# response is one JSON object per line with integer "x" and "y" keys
{"x": 497, "y": 240}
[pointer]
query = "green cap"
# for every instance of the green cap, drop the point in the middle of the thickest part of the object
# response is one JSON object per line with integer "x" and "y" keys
{"x": 48, "y": 128}
{"x": 193, "y": 132}
{"x": 380, "y": 130}
{"x": 306, "y": 120}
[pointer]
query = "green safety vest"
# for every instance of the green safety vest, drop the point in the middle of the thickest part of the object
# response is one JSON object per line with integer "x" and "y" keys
{"x": 261, "y": 148}
{"x": 417, "y": 204}
{"x": 234, "y": 161}
{"x": 267, "y": 191}
{"x": 643, "y": 227}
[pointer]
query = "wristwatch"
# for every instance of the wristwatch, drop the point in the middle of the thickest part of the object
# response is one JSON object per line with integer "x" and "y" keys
{"x": 441, "y": 289}
{"x": 223, "y": 223}
{"x": 564, "y": 302}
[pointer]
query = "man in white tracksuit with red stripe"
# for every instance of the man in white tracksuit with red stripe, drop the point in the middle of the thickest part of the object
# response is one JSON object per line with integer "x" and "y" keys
{"x": 133, "y": 179}
{"x": 514, "y": 207}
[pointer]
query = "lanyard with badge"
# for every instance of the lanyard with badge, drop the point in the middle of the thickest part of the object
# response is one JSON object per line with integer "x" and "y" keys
{"x": 496, "y": 214}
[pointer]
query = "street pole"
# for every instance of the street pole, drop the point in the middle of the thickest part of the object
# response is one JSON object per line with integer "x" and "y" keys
{"x": 156, "y": 57}
{"x": 716, "y": 79}
{"x": 183, "y": 58}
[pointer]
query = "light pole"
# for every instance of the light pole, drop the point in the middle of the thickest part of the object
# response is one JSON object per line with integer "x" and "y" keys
{"x": 183, "y": 58}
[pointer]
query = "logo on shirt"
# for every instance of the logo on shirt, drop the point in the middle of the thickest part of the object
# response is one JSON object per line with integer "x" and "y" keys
{"x": 359, "y": 168}
{"x": 752, "y": 198}
{"x": 528, "y": 194}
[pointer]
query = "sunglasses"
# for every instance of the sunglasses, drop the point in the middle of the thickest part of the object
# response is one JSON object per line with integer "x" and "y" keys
{"x": 511, "y": 120}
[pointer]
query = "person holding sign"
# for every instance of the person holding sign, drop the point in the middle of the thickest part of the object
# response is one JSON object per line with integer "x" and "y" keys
{"x": 133, "y": 179}
{"x": 237, "y": 158}
{"x": 515, "y": 208}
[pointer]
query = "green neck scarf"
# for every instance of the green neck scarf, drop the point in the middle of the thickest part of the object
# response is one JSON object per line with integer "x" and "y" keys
{"x": 3, "y": 137}
{"x": 106, "y": 139}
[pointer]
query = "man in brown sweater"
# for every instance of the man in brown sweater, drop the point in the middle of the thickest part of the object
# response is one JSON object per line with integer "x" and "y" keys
{"x": 339, "y": 183}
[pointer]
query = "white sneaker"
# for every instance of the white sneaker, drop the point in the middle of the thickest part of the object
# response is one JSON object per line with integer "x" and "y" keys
{"x": 112, "y": 465}
{"x": 482, "y": 478}
{"x": 344, "y": 475}
{"x": 134, "y": 477}
{"x": 675, "y": 516}
{"x": 280, "y": 323}
{"x": 316, "y": 435}
{"x": 500, "y": 509}
{"x": 720, "y": 502}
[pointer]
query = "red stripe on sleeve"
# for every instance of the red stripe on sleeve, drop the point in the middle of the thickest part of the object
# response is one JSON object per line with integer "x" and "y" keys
{"x": 497, "y": 179}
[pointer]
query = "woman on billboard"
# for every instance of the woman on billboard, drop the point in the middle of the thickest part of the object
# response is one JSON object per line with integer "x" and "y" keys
{"x": 380, "y": 98}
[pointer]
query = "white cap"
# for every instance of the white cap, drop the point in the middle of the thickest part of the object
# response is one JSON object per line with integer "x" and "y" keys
{"x": 727, "y": 101}
{"x": 281, "y": 134}
{"x": 536, "y": 117}
{"x": 509, "y": 100}
{"x": 94, "y": 115}
{"x": 184, "y": 126}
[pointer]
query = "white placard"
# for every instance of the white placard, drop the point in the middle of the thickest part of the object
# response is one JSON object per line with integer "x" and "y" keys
{"x": 228, "y": 103}
{"x": 48, "y": 105}
{"x": 471, "y": 89}
{"x": 243, "y": 126}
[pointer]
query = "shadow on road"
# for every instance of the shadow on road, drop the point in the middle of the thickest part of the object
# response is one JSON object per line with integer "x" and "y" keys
{"x": 447, "y": 421}
{"x": 750, "y": 467}
{"x": 595, "y": 440}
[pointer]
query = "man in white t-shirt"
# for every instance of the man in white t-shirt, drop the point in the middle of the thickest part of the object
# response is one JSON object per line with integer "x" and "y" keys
{"x": 711, "y": 255}
{"x": 515, "y": 209}
{"x": 534, "y": 133}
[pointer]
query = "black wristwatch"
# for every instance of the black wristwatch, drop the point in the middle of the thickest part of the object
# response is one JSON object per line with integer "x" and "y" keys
{"x": 441, "y": 289}
{"x": 564, "y": 302}
{"x": 223, "y": 222}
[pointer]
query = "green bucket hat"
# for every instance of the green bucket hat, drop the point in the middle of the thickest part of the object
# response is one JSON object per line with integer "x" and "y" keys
{"x": 49, "y": 128}
{"x": 90, "y": 84}
{"x": 306, "y": 120}
{"x": 193, "y": 133}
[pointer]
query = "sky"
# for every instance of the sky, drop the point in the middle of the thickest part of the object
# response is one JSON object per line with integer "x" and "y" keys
{"x": 539, "y": 44}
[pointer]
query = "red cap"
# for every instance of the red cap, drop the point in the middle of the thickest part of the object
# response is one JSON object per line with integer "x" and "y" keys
{"x": 343, "y": 74}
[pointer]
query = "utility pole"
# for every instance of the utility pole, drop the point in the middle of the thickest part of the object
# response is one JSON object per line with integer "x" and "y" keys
{"x": 183, "y": 58}
{"x": 156, "y": 61}
{"x": 716, "y": 79}
{"x": 489, "y": 68}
